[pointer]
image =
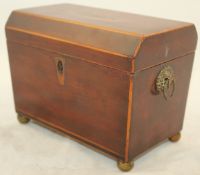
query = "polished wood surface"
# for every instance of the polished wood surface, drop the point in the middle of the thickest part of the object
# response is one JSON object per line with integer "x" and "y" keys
{"x": 154, "y": 118}
{"x": 164, "y": 47}
{"x": 109, "y": 31}
{"x": 106, "y": 95}
{"x": 151, "y": 51}
{"x": 104, "y": 19}
{"x": 78, "y": 34}
{"x": 92, "y": 103}
{"x": 65, "y": 48}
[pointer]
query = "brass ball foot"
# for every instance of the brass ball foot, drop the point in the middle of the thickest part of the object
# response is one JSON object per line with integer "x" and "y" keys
{"x": 125, "y": 166}
{"x": 175, "y": 138}
{"x": 22, "y": 119}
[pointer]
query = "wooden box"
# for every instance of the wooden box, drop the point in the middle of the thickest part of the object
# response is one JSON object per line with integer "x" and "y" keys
{"x": 116, "y": 81}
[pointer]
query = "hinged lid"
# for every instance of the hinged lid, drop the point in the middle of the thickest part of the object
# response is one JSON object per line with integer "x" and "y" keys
{"x": 123, "y": 41}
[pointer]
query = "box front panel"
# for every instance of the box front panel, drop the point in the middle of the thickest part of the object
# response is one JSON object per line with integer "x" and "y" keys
{"x": 90, "y": 102}
{"x": 156, "y": 117}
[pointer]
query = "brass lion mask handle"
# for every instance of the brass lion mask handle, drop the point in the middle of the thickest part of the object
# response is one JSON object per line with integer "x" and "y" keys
{"x": 165, "y": 82}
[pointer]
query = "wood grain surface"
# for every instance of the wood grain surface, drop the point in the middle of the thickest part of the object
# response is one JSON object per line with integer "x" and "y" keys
{"x": 92, "y": 103}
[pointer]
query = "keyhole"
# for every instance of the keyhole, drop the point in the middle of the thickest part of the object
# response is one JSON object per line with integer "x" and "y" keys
{"x": 60, "y": 67}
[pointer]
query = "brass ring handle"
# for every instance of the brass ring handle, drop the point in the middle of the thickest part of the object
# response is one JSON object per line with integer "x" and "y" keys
{"x": 165, "y": 80}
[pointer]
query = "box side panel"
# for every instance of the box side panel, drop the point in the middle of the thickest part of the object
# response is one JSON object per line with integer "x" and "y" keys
{"x": 162, "y": 47}
{"x": 154, "y": 118}
{"x": 91, "y": 105}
